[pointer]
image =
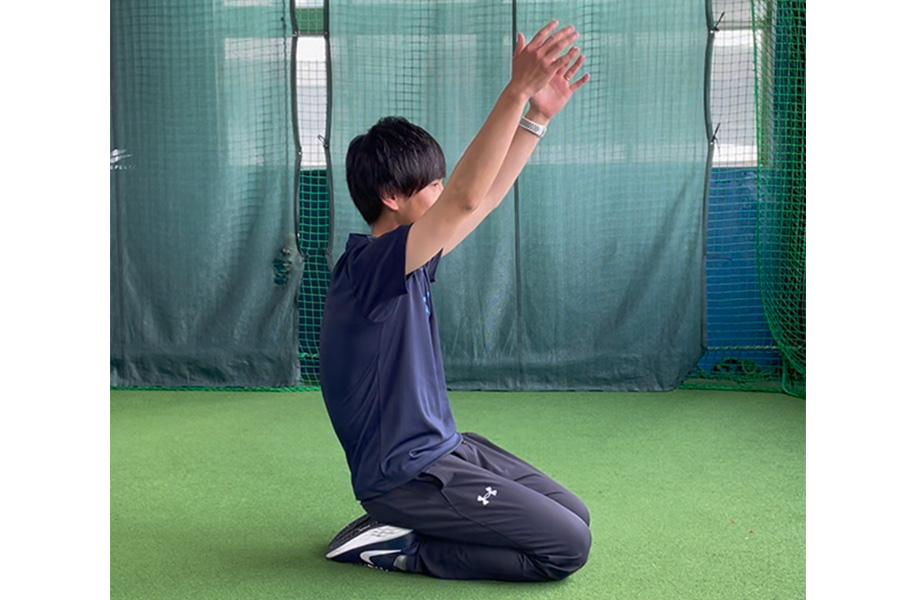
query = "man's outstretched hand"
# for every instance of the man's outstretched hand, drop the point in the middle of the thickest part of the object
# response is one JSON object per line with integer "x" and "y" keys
{"x": 539, "y": 61}
{"x": 551, "y": 98}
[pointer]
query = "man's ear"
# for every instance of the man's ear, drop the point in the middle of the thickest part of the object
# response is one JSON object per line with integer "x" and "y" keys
{"x": 391, "y": 202}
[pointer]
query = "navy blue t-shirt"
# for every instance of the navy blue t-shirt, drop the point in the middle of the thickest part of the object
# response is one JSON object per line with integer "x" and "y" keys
{"x": 380, "y": 362}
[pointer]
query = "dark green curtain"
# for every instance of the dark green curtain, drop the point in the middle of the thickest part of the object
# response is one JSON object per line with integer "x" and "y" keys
{"x": 590, "y": 275}
{"x": 204, "y": 262}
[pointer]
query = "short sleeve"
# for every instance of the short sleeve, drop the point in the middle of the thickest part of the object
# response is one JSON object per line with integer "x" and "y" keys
{"x": 377, "y": 270}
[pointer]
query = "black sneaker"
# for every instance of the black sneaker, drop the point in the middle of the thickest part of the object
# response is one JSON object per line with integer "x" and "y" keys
{"x": 368, "y": 542}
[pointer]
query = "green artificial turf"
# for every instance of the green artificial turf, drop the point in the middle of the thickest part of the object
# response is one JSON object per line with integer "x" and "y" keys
{"x": 233, "y": 494}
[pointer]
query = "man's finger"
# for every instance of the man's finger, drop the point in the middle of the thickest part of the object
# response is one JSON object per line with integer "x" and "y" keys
{"x": 541, "y": 35}
{"x": 559, "y": 40}
{"x": 563, "y": 61}
{"x": 520, "y": 44}
{"x": 580, "y": 82}
{"x": 573, "y": 68}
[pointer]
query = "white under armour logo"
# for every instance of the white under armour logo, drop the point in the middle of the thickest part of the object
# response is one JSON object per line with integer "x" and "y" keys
{"x": 488, "y": 492}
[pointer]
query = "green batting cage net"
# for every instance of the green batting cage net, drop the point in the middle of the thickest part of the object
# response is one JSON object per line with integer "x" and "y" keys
{"x": 781, "y": 243}
{"x": 755, "y": 264}
{"x": 655, "y": 239}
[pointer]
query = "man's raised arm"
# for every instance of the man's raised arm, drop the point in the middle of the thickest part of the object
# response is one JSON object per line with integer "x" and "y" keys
{"x": 475, "y": 173}
{"x": 543, "y": 106}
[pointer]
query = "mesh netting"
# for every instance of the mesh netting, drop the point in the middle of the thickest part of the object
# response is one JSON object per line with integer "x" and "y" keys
{"x": 781, "y": 92}
{"x": 314, "y": 222}
{"x": 204, "y": 264}
{"x": 589, "y": 275}
{"x": 207, "y": 186}
{"x": 756, "y": 229}
{"x": 741, "y": 352}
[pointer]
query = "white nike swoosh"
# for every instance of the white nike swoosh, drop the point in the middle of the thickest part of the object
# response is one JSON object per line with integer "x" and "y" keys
{"x": 369, "y": 553}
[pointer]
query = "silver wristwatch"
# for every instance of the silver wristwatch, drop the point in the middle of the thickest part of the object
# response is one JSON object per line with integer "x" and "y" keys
{"x": 529, "y": 125}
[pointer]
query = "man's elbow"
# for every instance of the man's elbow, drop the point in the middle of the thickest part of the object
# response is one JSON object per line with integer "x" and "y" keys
{"x": 464, "y": 200}
{"x": 467, "y": 204}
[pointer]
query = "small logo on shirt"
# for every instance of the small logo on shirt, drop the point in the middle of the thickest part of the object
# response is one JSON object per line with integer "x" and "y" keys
{"x": 488, "y": 492}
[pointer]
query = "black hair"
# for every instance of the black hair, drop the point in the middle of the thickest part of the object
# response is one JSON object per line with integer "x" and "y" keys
{"x": 393, "y": 157}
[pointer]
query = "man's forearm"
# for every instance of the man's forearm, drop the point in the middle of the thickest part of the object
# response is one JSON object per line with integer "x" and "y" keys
{"x": 478, "y": 169}
{"x": 520, "y": 150}
{"x": 523, "y": 144}
{"x": 534, "y": 65}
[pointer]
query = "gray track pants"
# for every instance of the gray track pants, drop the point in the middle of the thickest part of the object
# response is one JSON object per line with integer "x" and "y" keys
{"x": 483, "y": 513}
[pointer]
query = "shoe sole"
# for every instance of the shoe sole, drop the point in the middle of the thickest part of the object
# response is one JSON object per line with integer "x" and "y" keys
{"x": 382, "y": 533}
{"x": 353, "y": 529}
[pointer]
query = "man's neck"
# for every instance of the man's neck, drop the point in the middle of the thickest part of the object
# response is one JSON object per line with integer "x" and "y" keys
{"x": 383, "y": 226}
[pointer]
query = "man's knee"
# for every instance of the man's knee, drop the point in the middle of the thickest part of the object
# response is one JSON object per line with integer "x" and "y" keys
{"x": 573, "y": 553}
{"x": 579, "y": 508}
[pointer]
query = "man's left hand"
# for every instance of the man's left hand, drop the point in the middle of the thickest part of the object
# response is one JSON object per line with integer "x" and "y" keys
{"x": 554, "y": 96}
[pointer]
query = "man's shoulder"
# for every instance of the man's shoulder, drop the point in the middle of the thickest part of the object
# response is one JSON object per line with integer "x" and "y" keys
{"x": 373, "y": 269}
{"x": 356, "y": 244}
{"x": 362, "y": 243}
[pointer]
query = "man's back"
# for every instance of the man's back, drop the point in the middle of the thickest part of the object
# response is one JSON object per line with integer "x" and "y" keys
{"x": 381, "y": 369}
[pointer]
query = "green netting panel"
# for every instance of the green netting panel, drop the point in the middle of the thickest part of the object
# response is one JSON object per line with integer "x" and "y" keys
{"x": 590, "y": 275}
{"x": 314, "y": 222}
{"x": 314, "y": 228}
{"x": 204, "y": 264}
{"x": 203, "y": 100}
{"x": 781, "y": 93}
{"x": 741, "y": 352}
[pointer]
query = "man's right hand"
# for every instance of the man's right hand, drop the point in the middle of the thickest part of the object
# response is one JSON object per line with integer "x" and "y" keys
{"x": 535, "y": 64}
